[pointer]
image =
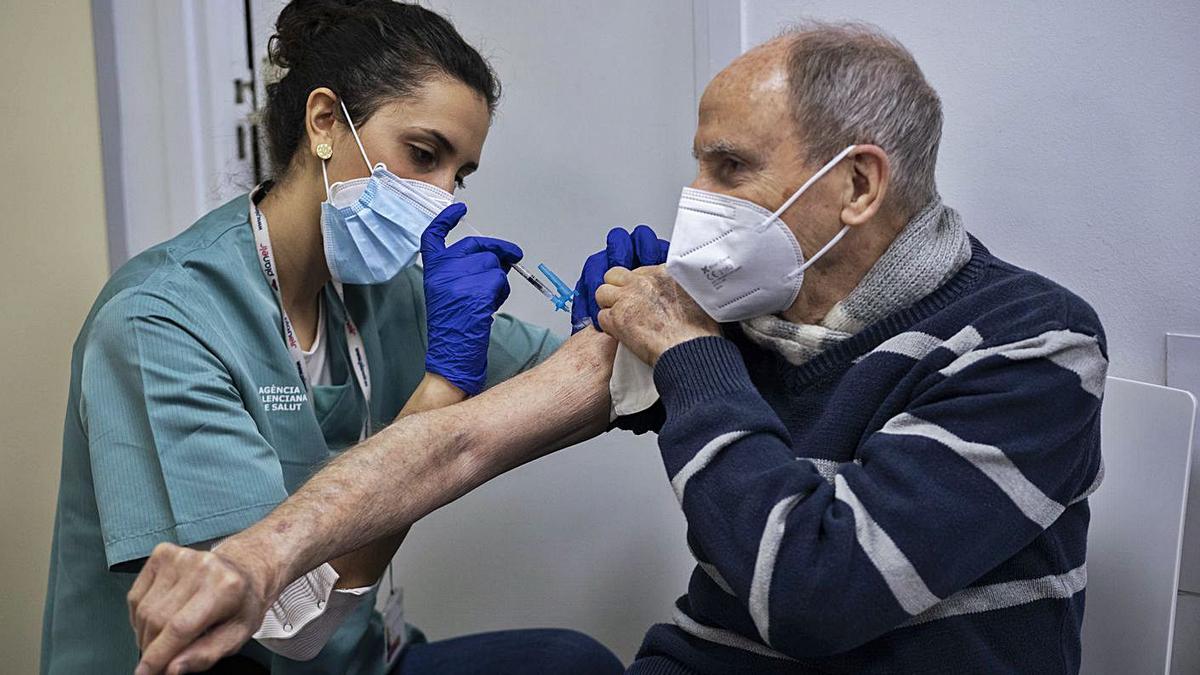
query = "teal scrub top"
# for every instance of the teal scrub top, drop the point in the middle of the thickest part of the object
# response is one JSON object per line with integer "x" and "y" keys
{"x": 186, "y": 422}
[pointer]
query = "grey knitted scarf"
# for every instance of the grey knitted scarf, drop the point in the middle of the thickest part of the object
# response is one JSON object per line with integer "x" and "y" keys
{"x": 928, "y": 251}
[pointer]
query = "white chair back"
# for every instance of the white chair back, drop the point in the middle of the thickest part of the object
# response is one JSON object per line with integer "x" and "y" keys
{"x": 1136, "y": 533}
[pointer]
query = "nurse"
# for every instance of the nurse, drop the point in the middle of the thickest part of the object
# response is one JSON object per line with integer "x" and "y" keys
{"x": 217, "y": 371}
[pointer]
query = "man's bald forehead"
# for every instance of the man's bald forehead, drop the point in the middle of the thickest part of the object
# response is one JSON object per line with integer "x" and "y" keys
{"x": 754, "y": 82}
{"x": 763, "y": 68}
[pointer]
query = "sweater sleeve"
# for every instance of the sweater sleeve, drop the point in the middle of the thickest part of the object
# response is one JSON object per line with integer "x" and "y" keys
{"x": 985, "y": 457}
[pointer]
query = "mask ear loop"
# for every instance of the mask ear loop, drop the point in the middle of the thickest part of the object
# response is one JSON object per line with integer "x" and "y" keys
{"x": 796, "y": 195}
{"x": 361, "y": 149}
{"x": 355, "y": 132}
{"x": 817, "y": 256}
{"x": 325, "y": 174}
{"x": 808, "y": 183}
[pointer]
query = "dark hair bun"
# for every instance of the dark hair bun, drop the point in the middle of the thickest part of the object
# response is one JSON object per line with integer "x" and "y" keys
{"x": 303, "y": 22}
{"x": 367, "y": 52}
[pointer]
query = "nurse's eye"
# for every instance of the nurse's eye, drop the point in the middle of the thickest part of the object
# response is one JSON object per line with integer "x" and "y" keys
{"x": 422, "y": 158}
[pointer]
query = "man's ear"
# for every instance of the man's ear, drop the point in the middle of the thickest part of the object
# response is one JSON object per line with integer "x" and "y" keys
{"x": 319, "y": 117}
{"x": 869, "y": 173}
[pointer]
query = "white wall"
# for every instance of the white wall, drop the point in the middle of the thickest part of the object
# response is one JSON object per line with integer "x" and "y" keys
{"x": 594, "y": 131}
{"x": 1071, "y": 147}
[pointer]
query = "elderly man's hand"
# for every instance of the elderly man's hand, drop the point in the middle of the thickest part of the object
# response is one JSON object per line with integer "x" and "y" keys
{"x": 648, "y": 312}
{"x": 189, "y": 608}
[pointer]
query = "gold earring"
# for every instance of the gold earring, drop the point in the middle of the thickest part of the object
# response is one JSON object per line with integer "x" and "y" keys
{"x": 324, "y": 150}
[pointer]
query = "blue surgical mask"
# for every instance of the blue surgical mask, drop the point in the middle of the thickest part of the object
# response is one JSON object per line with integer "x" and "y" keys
{"x": 372, "y": 226}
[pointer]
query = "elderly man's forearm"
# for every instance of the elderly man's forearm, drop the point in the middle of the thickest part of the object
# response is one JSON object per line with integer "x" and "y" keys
{"x": 427, "y": 460}
{"x": 364, "y": 566}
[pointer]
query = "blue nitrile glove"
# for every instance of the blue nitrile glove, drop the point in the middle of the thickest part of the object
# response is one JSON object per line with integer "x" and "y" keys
{"x": 465, "y": 284}
{"x": 639, "y": 249}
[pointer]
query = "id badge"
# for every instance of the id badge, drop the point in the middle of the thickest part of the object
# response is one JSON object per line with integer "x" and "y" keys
{"x": 393, "y": 627}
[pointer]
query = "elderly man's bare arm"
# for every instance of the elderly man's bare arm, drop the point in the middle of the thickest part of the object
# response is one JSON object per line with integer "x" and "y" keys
{"x": 216, "y": 599}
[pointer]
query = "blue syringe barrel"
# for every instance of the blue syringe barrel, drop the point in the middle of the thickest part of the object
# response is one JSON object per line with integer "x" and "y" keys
{"x": 566, "y": 294}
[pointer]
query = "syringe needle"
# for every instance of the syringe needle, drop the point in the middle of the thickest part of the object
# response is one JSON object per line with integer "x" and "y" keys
{"x": 537, "y": 283}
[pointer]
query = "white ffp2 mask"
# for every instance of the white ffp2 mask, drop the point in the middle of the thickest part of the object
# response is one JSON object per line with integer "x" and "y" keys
{"x": 736, "y": 259}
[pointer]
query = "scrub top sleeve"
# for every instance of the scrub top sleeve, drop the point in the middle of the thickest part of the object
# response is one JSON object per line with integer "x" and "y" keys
{"x": 175, "y": 456}
{"x": 517, "y": 346}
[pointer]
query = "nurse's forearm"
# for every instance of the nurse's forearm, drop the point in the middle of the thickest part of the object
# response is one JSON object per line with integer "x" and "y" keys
{"x": 427, "y": 460}
{"x": 366, "y": 565}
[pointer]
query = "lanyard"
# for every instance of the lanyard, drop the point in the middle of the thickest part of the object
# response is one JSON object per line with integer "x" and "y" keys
{"x": 354, "y": 341}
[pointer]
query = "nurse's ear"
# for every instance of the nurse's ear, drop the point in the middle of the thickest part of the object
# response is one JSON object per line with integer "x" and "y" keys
{"x": 319, "y": 118}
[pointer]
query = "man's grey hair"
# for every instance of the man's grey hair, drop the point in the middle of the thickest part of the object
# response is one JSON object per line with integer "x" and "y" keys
{"x": 853, "y": 83}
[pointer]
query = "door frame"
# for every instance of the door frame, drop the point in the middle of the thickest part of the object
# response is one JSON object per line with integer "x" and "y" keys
{"x": 169, "y": 120}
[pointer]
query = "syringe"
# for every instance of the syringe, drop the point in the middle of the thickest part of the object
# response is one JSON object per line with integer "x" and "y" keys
{"x": 537, "y": 283}
{"x": 561, "y": 300}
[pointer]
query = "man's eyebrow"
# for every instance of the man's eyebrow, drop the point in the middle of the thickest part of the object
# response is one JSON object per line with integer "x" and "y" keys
{"x": 721, "y": 146}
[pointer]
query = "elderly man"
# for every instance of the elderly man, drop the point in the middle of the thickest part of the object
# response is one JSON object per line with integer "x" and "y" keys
{"x": 883, "y": 449}
{"x": 884, "y": 463}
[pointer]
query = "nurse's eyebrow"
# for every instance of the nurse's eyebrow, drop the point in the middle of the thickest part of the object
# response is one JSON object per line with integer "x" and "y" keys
{"x": 439, "y": 138}
{"x": 447, "y": 147}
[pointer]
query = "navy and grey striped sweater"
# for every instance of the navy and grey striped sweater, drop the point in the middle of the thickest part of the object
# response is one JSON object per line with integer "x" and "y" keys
{"x": 913, "y": 499}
